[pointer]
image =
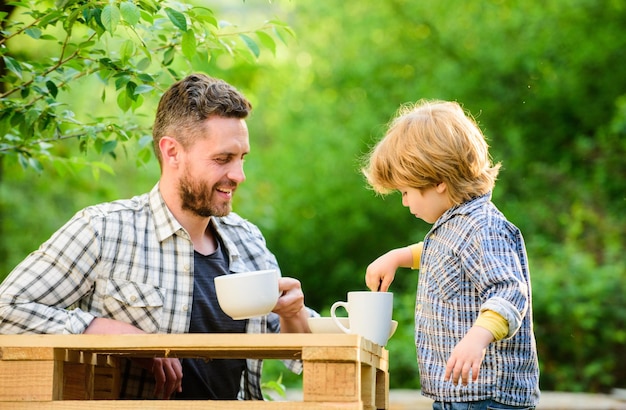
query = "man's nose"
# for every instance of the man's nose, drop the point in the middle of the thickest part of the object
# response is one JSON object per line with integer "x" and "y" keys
{"x": 236, "y": 173}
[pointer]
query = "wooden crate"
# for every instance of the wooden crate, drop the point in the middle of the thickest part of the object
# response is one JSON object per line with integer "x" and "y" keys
{"x": 61, "y": 371}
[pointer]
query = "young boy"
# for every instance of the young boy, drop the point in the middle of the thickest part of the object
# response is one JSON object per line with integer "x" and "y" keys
{"x": 473, "y": 314}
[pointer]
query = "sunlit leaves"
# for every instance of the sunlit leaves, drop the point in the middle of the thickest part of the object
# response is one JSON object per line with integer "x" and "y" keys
{"x": 252, "y": 45}
{"x": 135, "y": 48}
{"x": 267, "y": 41}
{"x": 177, "y": 18}
{"x": 130, "y": 12}
{"x": 110, "y": 17}
{"x": 13, "y": 65}
{"x": 188, "y": 44}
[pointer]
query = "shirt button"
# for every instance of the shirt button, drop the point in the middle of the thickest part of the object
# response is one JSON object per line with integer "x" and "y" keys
{"x": 186, "y": 268}
{"x": 185, "y": 308}
{"x": 133, "y": 298}
{"x": 419, "y": 306}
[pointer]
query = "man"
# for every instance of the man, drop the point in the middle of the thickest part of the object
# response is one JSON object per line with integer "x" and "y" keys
{"x": 147, "y": 264}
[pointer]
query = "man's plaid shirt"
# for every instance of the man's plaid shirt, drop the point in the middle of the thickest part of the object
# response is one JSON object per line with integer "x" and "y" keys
{"x": 128, "y": 260}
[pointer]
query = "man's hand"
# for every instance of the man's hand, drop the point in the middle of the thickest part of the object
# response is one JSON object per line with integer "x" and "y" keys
{"x": 168, "y": 375}
{"x": 468, "y": 355}
{"x": 168, "y": 372}
{"x": 290, "y": 307}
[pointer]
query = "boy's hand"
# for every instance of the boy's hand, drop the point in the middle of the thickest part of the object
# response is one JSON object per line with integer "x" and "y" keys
{"x": 468, "y": 355}
{"x": 380, "y": 273}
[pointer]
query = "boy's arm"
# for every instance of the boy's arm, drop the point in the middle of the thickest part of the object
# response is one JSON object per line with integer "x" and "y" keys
{"x": 494, "y": 322}
{"x": 416, "y": 251}
{"x": 469, "y": 353}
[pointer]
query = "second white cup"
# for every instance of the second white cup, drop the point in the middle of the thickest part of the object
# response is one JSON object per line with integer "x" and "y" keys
{"x": 369, "y": 315}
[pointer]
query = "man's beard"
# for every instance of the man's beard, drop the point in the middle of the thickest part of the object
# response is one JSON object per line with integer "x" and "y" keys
{"x": 198, "y": 198}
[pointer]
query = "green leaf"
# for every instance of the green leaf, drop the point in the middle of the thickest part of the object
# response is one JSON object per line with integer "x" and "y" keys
{"x": 52, "y": 88}
{"x": 143, "y": 64}
{"x": 147, "y": 17}
{"x": 108, "y": 147}
{"x": 145, "y": 77}
{"x": 205, "y": 15}
{"x": 121, "y": 81}
{"x": 252, "y": 45}
{"x": 188, "y": 44}
{"x": 33, "y": 32}
{"x": 168, "y": 56}
{"x": 138, "y": 101}
{"x": 30, "y": 162}
{"x": 279, "y": 30}
{"x": 131, "y": 86}
{"x": 130, "y": 12}
{"x": 13, "y": 66}
{"x": 267, "y": 41}
{"x": 124, "y": 101}
{"x": 127, "y": 50}
{"x": 110, "y": 17}
{"x": 143, "y": 88}
{"x": 149, "y": 5}
{"x": 177, "y": 18}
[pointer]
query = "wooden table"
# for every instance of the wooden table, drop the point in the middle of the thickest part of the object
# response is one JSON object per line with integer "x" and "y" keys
{"x": 61, "y": 371}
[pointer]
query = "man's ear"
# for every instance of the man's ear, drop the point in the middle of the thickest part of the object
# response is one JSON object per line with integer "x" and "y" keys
{"x": 170, "y": 151}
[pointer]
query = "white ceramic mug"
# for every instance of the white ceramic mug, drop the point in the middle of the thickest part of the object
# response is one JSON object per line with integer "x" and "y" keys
{"x": 369, "y": 315}
{"x": 248, "y": 294}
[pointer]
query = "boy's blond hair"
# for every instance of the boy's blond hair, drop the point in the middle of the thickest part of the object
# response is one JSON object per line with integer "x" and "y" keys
{"x": 430, "y": 142}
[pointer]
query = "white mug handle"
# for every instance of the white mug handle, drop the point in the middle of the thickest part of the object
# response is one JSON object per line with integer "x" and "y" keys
{"x": 335, "y": 319}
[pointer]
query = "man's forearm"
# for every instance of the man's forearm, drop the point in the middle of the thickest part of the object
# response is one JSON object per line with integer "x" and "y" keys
{"x": 104, "y": 326}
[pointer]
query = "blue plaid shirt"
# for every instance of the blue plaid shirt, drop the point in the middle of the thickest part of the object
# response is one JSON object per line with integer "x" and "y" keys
{"x": 132, "y": 261}
{"x": 473, "y": 260}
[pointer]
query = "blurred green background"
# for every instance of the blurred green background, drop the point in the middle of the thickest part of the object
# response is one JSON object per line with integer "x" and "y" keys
{"x": 546, "y": 82}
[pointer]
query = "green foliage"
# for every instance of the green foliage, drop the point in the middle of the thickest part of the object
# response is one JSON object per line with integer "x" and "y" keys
{"x": 273, "y": 386}
{"x": 134, "y": 49}
{"x": 580, "y": 321}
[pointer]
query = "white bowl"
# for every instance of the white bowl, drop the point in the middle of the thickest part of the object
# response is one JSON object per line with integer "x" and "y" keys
{"x": 248, "y": 294}
{"x": 327, "y": 325}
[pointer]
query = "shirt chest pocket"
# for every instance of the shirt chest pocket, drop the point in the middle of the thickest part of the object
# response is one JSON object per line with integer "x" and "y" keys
{"x": 140, "y": 304}
{"x": 446, "y": 277}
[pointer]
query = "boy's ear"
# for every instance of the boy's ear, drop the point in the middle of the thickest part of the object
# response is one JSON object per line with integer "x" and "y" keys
{"x": 441, "y": 187}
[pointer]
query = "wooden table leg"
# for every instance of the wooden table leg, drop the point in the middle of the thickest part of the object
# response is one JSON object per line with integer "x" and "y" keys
{"x": 382, "y": 389}
{"x": 330, "y": 375}
{"x": 30, "y": 374}
{"x": 345, "y": 374}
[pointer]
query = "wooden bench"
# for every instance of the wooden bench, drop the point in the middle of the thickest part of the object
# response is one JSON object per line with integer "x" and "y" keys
{"x": 61, "y": 371}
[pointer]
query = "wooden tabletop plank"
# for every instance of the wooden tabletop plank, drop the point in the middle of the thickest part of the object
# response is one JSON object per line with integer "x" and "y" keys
{"x": 279, "y": 346}
{"x": 186, "y": 340}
